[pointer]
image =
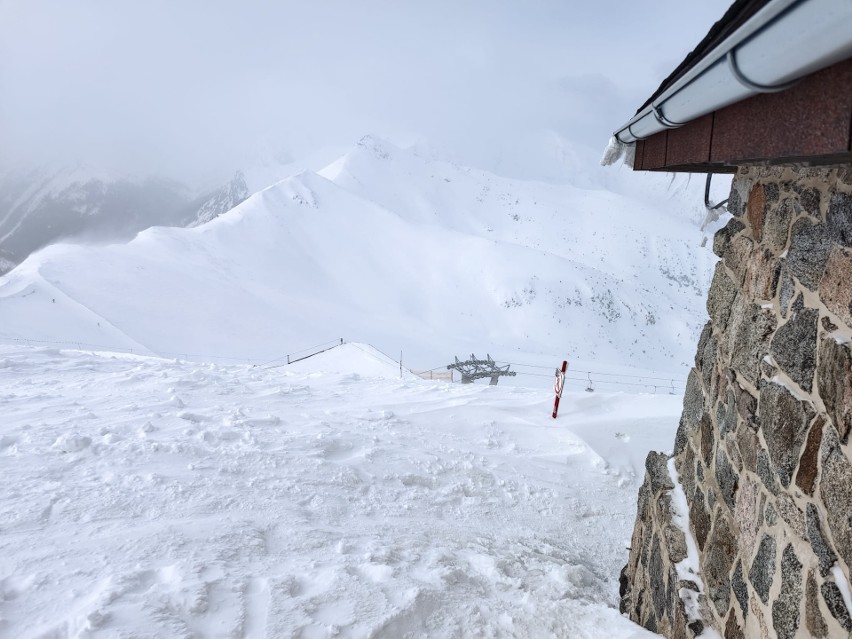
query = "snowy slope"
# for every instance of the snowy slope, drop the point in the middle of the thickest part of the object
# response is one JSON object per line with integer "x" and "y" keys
{"x": 392, "y": 249}
{"x": 152, "y": 498}
{"x": 81, "y": 203}
{"x": 40, "y": 206}
{"x": 631, "y": 264}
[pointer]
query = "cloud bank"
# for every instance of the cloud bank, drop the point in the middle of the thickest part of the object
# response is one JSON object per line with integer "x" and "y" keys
{"x": 190, "y": 89}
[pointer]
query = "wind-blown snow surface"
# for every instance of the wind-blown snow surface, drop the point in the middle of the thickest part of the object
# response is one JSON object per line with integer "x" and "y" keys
{"x": 390, "y": 248}
{"x": 144, "y": 497}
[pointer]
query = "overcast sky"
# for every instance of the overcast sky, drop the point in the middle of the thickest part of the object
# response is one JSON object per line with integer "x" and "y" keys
{"x": 189, "y": 89}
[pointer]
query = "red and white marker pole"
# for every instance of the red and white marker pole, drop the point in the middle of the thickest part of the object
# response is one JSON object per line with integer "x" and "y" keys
{"x": 558, "y": 386}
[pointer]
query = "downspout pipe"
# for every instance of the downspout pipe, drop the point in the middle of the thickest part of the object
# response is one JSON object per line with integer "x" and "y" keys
{"x": 783, "y": 42}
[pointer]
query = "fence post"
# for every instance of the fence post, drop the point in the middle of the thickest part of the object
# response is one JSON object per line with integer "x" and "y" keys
{"x": 558, "y": 386}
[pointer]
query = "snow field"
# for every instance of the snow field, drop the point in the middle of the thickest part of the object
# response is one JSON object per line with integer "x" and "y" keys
{"x": 156, "y": 498}
{"x": 394, "y": 249}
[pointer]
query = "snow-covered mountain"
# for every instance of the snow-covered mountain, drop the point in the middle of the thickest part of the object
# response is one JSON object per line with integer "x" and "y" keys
{"x": 211, "y": 205}
{"x": 40, "y": 207}
{"x": 395, "y": 249}
{"x": 349, "y": 499}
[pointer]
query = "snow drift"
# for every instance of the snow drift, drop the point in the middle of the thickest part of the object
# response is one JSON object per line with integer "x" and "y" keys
{"x": 390, "y": 248}
{"x": 148, "y": 497}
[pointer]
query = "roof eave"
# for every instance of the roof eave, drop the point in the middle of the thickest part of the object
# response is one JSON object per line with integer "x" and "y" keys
{"x": 782, "y": 42}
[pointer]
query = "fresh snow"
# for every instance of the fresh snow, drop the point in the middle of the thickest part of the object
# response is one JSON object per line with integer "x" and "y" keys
{"x": 841, "y": 339}
{"x": 792, "y": 387}
{"x": 616, "y": 150}
{"x": 394, "y": 249}
{"x": 688, "y": 569}
{"x": 151, "y": 490}
{"x": 148, "y": 497}
{"x": 842, "y": 585}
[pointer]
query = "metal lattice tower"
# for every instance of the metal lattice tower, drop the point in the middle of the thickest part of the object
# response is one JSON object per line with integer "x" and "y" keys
{"x": 474, "y": 369}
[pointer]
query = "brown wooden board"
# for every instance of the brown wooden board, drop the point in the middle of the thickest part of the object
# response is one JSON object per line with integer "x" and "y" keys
{"x": 812, "y": 118}
{"x": 639, "y": 156}
{"x": 690, "y": 144}
{"x": 810, "y": 123}
{"x": 654, "y": 153}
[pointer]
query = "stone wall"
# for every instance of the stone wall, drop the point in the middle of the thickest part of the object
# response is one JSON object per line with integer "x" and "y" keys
{"x": 761, "y": 472}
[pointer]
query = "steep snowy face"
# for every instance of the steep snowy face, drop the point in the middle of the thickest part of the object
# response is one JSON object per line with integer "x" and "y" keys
{"x": 40, "y": 207}
{"x": 222, "y": 200}
{"x": 396, "y": 250}
{"x": 622, "y": 272}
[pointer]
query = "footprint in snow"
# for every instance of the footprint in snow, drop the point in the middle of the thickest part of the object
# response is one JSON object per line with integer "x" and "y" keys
{"x": 195, "y": 418}
{"x": 71, "y": 443}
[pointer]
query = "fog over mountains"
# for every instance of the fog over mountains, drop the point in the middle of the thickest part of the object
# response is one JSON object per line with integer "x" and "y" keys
{"x": 396, "y": 248}
{"x": 195, "y": 195}
{"x": 41, "y": 207}
{"x": 116, "y": 118}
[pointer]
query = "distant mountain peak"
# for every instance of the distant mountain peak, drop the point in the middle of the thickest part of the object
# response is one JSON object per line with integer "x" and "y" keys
{"x": 80, "y": 202}
{"x": 221, "y": 200}
{"x": 377, "y": 146}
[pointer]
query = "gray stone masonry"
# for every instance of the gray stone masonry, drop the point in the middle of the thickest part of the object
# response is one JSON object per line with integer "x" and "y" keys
{"x": 762, "y": 451}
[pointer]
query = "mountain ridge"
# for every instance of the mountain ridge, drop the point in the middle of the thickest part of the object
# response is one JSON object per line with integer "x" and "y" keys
{"x": 390, "y": 252}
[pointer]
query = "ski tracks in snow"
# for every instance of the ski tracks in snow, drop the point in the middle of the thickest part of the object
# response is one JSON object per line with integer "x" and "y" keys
{"x": 154, "y": 498}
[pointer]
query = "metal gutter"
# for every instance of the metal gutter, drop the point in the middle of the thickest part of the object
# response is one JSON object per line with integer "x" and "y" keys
{"x": 784, "y": 41}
